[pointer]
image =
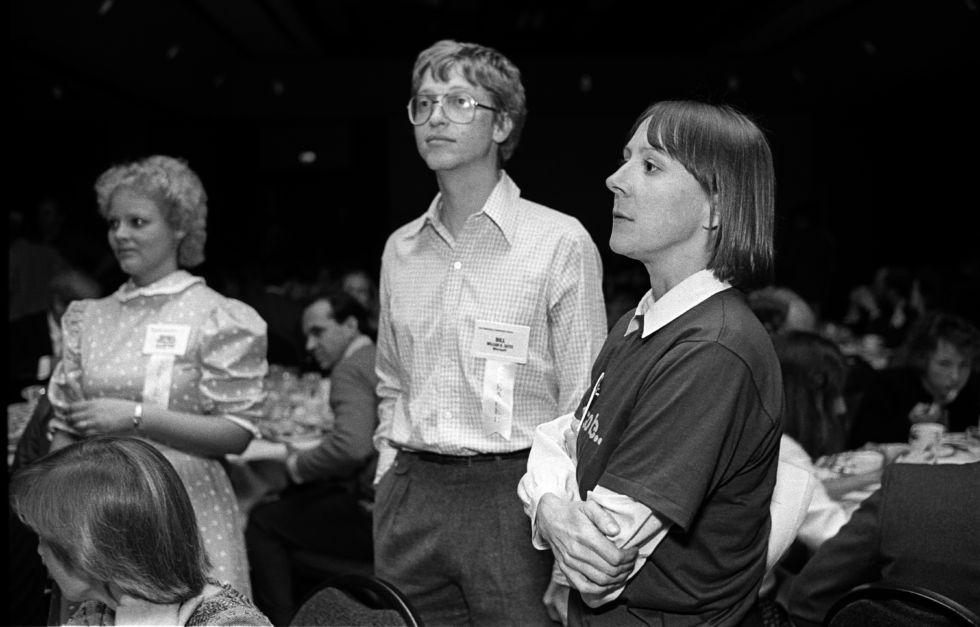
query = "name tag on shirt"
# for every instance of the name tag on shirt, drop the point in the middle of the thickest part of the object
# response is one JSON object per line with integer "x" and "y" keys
{"x": 503, "y": 346}
{"x": 166, "y": 339}
{"x": 501, "y": 341}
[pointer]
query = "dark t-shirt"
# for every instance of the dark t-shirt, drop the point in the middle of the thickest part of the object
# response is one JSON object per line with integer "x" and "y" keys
{"x": 687, "y": 422}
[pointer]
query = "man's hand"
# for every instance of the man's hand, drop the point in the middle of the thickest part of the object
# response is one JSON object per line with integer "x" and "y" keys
{"x": 579, "y": 533}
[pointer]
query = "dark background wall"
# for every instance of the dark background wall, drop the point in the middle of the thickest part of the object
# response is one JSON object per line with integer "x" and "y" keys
{"x": 869, "y": 107}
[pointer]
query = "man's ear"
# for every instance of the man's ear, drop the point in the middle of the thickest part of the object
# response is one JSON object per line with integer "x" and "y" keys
{"x": 502, "y": 128}
{"x": 350, "y": 324}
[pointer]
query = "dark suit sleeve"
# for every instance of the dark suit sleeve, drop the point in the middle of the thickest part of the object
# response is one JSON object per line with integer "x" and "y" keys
{"x": 348, "y": 446}
{"x": 850, "y": 558}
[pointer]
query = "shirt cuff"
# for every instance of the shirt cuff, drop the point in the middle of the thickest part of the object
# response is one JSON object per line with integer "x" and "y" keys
{"x": 386, "y": 458}
{"x": 292, "y": 470}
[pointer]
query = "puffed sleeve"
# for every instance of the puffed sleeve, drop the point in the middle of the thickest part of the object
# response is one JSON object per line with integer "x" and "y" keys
{"x": 65, "y": 385}
{"x": 233, "y": 361}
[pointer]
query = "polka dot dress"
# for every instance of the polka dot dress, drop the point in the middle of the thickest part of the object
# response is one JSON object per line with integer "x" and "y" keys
{"x": 220, "y": 373}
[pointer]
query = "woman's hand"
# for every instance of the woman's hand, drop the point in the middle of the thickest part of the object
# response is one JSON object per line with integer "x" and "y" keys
{"x": 917, "y": 456}
{"x": 100, "y": 416}
{"x": 555, "y": 600}
{"x": 925, "y": 412}
{"x": 579, "y": 533}
{"x": 837, "y": 487}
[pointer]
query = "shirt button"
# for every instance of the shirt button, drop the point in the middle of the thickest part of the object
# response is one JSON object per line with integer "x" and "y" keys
{"x": 457, "y": 265}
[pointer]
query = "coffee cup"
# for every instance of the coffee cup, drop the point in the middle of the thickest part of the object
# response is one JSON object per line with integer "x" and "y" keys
{"x": 926, "y": 435}
{"x": 973, "y": 433}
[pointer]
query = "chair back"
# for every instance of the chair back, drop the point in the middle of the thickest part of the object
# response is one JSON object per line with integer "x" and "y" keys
{"x": 356, "y": 600}
{"x": 881, "y": 605}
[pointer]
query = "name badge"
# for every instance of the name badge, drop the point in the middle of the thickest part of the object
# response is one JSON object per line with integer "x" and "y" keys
{"x": 501, "y": 341}
{"x": 166, "y": 339}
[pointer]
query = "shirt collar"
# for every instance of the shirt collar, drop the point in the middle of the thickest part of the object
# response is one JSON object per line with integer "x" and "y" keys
{"x": 173, "y": 283}
{"x": 357, "y": 344}
{"x": 499, "y": 207}
{"x": 680, "y": 299}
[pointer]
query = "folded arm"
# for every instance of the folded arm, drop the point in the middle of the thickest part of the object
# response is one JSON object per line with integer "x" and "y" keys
{"x": 599, "y": 543}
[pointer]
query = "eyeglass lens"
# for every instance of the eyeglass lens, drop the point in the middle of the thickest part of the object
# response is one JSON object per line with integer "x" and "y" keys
{"x": 459, "y": 108}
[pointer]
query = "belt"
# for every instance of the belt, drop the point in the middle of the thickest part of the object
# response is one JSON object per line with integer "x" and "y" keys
{"x": 437, "y": 458}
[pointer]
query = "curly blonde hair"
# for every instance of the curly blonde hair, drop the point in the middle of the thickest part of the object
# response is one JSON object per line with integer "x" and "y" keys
{"x": 175, "y": 188}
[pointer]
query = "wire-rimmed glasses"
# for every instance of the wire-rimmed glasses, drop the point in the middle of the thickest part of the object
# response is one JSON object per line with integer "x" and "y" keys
{"x": 458, "y": 107}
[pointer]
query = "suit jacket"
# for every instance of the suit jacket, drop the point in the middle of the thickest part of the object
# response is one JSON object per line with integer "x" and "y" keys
{"x": 922, "y": 528}
{"x": 348, "y": 449}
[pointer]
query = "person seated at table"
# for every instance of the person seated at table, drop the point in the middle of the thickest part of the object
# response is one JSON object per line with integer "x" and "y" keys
{"x": 118, "y": 535}
{"x": 887, "y": 307}
{"x": 166, "y": 357}
{"x": 780, "y": 309}
{"x": 813, "y": 371}
{"x": 918, "y": 529}
{"x": 931, "y": 380}
{"x": 28, "y": 602}
{"x": 362, "y": 285}
{"x": 35, "y": 339}
{"x": 327, "y": 509}
{"x": 814, "y": 374}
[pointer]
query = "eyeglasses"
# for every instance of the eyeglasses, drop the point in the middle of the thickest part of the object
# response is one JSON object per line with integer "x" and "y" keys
{"x": 458, "y": 107}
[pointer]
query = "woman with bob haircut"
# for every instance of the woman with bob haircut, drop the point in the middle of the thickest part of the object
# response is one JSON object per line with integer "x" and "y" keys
{"x": 165, "y": 358}
{"x": 118, "y": 533}
{"x": 654, "y": 496}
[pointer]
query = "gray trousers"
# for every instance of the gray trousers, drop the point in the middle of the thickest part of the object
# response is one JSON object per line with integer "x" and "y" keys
{"x": 456, "y": 540}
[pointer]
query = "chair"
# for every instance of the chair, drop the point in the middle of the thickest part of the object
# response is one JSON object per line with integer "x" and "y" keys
{"x": 356, "y": 600}
{"x": 321, "y": 567}
{"x": 881, "y": 605}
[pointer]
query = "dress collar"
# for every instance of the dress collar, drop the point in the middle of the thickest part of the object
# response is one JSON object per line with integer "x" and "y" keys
{"x": 173, "y": 283}
{"x": 680, "y": 299}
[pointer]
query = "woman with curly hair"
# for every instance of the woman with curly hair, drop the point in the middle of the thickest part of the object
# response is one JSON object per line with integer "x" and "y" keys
{"x": 165, "y": 358}
{"x": 118, "y": 535}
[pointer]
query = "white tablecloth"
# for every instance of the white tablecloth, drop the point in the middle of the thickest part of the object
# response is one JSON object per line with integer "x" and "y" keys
{"x": 259, "y": 472}
{"x": 956, "y": 448}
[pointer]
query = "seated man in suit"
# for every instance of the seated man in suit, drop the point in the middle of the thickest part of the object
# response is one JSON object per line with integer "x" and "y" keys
{"x": 919, "y": 529}
{"x": 327, "y": 507}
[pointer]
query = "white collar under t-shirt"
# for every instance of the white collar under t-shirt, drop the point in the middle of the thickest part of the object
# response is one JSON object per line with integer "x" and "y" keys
{"x": 680, "y": 299}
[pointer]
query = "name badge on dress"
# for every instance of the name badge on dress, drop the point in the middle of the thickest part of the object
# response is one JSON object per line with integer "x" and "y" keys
{"x": 163, "y": 343}
{"x": 166, "y": 339}
{"x": 503, "y": 346}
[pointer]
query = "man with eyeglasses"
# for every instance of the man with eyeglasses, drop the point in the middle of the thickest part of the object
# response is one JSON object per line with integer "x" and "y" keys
{"x": 491, "y": 316}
